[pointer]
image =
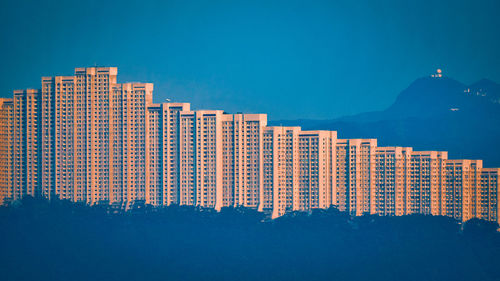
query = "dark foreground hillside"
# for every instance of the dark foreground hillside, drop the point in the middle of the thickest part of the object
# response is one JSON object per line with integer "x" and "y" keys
{"x": 63, "y": 241}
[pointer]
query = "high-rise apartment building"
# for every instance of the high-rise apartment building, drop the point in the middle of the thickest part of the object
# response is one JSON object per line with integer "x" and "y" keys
{"x": 242, "y": 157}
{"x": 316, "y": 169}
{"x": 171, "y": 148}
{"x": 462, "y": 180}
{"x": 162, "y": 153}
{"x": 281, "y": 170}
{"x": 92, "y": 116}
{"x": 155, "y": 181}
{"x": 392, "y": 176}
{"x": 57, "y": 138}
{"x": 87, "y": 138}
{"x": 488, "y": 207}
{"x": 426, "y": 181}
{"x": 355, "y": 175}
{"x": 127, "y": 141}
{"x": 6, "y": 149}
{"x": 25, "y": 143}
{"x": 201, "y": 158}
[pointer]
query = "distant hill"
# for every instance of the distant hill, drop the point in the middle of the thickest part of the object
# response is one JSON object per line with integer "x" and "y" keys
{"x": 431, "y": 114}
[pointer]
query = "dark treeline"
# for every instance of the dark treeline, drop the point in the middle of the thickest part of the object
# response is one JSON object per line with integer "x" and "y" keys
{"x": 59, "y": 240}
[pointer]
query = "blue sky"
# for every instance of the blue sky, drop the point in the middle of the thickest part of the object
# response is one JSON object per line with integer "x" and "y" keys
{"x": 290, "y": 59}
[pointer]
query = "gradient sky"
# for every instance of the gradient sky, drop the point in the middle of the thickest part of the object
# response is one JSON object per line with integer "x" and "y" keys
{"x": 290, "y": 59}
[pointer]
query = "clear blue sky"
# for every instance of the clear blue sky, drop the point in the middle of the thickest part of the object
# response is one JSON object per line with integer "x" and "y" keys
{"x": 290, "y": 59}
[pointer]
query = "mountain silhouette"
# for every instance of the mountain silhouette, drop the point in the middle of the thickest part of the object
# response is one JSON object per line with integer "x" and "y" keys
{"x": 433, "y": 113}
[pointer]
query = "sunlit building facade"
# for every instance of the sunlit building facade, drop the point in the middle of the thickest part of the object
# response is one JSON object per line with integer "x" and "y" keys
{"x": 87, "y": 138}
{"x": 316, "y": 169}
{"x": 162, "y": 153}
{"x": 392, "y": 176}
{"x": 487, "y": 195}
{"x": 355, "y": 175}
{"x": 6, "y": 149}
{"x": 281, "y": 183}
{"x": 57, "y": 138}
{"x": 426, "y": 182}
{"x": 242, "y": 159}
{"x": 25, "y": 143}
{"x": 462, "y": 184}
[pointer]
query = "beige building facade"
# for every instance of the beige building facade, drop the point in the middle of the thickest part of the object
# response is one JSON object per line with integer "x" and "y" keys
{"x": 281, "y": 182}
{"x": 392, "y": 176}
{"x": 487, "y": 195}
{"x": 355, "y": 174}
{"x": 461, "y": 187}
{"x": 427, "y": 180}
{"x": 6, "y": 149}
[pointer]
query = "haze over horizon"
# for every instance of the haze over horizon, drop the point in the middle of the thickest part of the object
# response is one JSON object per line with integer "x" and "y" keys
{"x": 291, "y": 60}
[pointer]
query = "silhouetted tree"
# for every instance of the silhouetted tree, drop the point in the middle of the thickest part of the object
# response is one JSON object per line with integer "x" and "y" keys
{"x": 60, "y": 240}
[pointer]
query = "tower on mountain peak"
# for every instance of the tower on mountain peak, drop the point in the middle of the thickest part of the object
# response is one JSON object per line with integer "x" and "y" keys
{"x": 438, "y": 74}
